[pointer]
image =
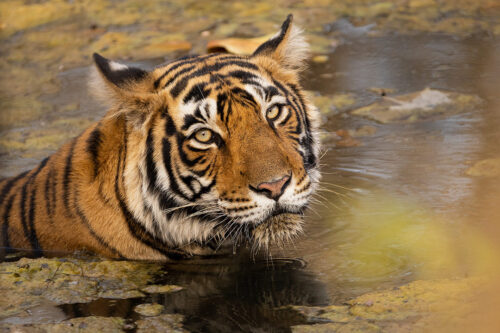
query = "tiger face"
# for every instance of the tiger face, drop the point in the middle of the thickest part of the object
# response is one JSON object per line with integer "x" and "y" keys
{"x": 220, "y": 146}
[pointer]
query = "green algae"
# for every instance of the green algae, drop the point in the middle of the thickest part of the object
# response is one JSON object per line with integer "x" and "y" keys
{"x": 64, "y": 281}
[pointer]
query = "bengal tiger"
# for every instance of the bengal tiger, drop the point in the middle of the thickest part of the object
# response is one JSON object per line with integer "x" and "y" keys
{"x": 199, "y": 150}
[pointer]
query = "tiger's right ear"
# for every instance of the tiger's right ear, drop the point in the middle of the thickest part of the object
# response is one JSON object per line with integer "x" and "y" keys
{"x": 130, "y": 89}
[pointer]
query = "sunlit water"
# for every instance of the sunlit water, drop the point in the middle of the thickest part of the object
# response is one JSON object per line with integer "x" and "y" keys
{"x": 388, "y": 208}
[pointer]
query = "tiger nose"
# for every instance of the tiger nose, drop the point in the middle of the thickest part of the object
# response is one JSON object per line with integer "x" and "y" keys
{"x": 274, "y": 189}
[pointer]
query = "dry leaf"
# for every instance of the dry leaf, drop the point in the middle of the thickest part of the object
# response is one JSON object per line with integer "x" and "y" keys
{"x": 243, "y": 46}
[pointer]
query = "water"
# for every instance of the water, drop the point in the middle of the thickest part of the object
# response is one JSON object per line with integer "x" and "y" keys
{"x": 415, "y": 171}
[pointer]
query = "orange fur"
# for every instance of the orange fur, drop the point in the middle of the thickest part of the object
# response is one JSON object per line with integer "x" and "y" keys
{"x": 105, "y": 191}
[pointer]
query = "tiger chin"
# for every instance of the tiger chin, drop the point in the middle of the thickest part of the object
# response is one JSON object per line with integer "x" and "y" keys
{"x": 197, "y": 153}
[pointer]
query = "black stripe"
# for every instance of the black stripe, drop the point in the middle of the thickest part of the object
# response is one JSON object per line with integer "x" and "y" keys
{"x": 135, "y": 227}
{"x": 188, "y": 121}
{"x": 22, "y": 204}
{"x": 271, "y": 92}
{"x": 169, "y": 126}
{"x": 86, "y": 223}
{"x": 243, "y": 96}
{"x": 191, "y": 60}
{"x": 181, "y": 85}
{"x": 8, "y": 186}
{"x": 48, "y": 203}
{"x": 66, "y": 178}
{"x": 22, "y": 207}
{"x": 309, "y": 159}
{"x": 35, "y": 245}
{"x": 183, "y": 155}
{"x": 286, "y": 119}
{"x": 177, "y": 75}
{"x": 166, "y": 148}
{"x": 203, "y": 190}
{"x": 54, "y": 191}
{"x": 197, "y": 93}
{"x": 243, "y": 76}
{"x": 5, "y": 226}
{"x": 93, "y": 144}
{"x": 151, "y": 172}
{"x": 221, "y": 105}
{"x": 273, "y": 43}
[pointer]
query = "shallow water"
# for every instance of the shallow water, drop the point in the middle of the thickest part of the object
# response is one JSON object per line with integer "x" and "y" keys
{"x": 405, "y": 177}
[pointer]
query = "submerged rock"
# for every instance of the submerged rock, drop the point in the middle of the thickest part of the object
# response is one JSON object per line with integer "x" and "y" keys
{"x": 157, "y": 289}
{"x": 332, "y": 104}
{"x": 423, "y": 306}
{"x": 485, "y": 168}
{"x": 421, "y": 105}
{"x": 149, "y": 310}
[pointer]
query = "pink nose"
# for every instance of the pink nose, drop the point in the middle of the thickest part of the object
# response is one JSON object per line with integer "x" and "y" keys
{"x": 274, "y": 189}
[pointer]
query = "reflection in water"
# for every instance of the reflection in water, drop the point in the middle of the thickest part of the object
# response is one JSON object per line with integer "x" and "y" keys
{"x": 225, "y": 297}
{"x": 422, "y": 163}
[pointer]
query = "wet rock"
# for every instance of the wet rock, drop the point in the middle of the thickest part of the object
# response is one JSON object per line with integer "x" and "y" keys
{"x": 149, "y": 310}
{"x": 28, "y": 283}
{"x": 485, "y": 168}
{"x": 332, "y": 104}
{"x": 351, "y": 327}
{"x": 163, "y": 323}
{"x": 44, "y": 313}
{"x": 75, "y": 325}
{"x": 318, "y": 328}
{"x": 425, "y": 305}
{"x": 425, "y": 104}
{"x": 158, "y": 289}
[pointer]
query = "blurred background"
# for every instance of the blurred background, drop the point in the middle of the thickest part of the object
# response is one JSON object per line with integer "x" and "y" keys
{"x": 410, "y": 197}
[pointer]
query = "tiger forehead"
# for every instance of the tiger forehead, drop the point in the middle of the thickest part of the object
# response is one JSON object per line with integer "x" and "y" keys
{"x": 217, "y": 69}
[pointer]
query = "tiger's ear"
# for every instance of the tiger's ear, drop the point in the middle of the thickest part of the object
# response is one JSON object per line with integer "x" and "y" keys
{"x": 128, "y": 90}
{"x": 288, "y": 47}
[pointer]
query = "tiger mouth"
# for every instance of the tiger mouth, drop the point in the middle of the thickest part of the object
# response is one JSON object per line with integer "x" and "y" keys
{"x": 280, "y": 213}
{"x": 278, "y": 229}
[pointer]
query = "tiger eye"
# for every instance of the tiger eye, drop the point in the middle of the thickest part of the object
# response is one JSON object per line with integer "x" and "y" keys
{"x": 203, "y": 135}
{"x": 273, "y": 113}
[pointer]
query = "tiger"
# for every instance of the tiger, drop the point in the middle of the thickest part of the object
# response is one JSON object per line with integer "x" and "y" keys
{"x": 195, "y": 153}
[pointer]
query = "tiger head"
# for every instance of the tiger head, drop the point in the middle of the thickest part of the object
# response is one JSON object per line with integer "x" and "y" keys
{"x": 219, "y": 146}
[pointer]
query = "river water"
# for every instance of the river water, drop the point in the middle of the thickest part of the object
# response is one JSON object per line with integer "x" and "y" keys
{"x": 397, "y": 208}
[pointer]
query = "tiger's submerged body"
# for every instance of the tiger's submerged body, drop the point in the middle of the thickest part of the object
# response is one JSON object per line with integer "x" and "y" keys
{"x": 195, "y": 152}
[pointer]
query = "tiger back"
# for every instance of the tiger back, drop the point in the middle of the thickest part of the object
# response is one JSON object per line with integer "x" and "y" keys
{"x": 200, "y": 151}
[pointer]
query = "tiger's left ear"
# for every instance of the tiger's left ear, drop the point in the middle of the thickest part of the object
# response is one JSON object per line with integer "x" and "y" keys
{"x": 288, "y": 47}
{"x": 128, "y": 90}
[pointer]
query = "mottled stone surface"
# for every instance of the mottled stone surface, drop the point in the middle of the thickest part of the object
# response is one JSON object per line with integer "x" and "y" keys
{"x": 421, "y": 105}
